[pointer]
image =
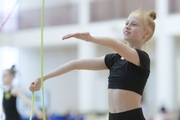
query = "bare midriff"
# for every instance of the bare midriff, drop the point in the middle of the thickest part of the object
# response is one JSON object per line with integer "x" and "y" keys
{"x": 123, "y": 100}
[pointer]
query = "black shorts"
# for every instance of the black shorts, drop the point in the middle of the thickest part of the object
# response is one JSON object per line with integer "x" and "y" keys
{"x": 135, "y": 114}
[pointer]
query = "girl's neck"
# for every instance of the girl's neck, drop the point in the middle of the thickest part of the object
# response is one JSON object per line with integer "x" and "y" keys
{"x": 135, "y": 46}
{"x": 8, "y": 87}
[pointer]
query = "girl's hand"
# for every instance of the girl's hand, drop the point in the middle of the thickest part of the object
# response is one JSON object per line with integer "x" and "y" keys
{"x": 35, "y": 86}
{"x": 83, "y": 36}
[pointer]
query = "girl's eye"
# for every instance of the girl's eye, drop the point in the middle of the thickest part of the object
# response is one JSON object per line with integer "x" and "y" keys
{"x": 134, "y": 24}
{"x": 127, "y": 23}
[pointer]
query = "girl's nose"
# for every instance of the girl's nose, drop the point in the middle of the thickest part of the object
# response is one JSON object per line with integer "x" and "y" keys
{"x": 128, "y": 26}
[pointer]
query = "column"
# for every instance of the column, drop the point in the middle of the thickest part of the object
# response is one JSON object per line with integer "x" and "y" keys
{"x": 83, "y": 12}
{"x": 86, "y": 80}
{"x": 165, "y": 59}
{"x": 165, "y": 79}
{"x": 85, "y": 50}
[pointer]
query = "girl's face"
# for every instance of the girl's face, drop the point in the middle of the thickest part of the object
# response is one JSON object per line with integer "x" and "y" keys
{"x": 7, "y": 78}
{"x": 134, "y": 30}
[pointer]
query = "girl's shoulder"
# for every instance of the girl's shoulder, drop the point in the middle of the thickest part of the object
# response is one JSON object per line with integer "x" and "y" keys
{"x": 15, "y": 91}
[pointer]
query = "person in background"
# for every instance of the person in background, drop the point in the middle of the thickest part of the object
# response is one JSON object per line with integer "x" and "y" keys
{"x": 10, "y": 95}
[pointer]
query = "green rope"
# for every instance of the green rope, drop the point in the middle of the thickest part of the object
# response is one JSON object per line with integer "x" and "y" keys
{"x": 42, "y": 65}
{"x": 42, "y": 57}
{"x": 32, "y": 108}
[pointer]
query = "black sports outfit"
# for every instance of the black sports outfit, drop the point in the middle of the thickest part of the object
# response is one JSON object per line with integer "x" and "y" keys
{"x": 9, "y": 105}
{"x": 128, "y": 76}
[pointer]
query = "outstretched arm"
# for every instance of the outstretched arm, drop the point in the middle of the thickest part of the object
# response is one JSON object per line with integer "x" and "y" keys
{"x": 80, "y": 64}
{"x": 125, "y": 51}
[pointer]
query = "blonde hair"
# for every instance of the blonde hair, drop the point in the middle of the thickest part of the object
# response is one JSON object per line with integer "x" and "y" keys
{"x": 148, "y": 20}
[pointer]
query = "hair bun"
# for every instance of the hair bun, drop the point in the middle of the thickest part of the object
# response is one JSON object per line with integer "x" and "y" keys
{"x": 152, "y": 14}
{"x": 13, "y": 67}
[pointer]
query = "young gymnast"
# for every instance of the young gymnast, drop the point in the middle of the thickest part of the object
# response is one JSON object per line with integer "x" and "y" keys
{"x": 129, "y": 66}
{"x": 10, "y": 95}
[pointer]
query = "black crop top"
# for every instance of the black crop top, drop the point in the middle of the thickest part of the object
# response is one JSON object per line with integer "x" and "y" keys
{"x": 126, "y": 75}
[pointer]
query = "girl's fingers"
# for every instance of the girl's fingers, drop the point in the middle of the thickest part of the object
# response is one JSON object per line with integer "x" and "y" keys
{"x": 76, "y": 35}
{"x": 30, "y": 89}
{"x": 67, "y": 36}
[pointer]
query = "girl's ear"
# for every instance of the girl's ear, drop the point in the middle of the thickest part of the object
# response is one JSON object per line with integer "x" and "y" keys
{"x": 147, "y": 34}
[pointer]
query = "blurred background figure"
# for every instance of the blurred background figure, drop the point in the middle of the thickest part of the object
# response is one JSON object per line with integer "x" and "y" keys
{"x": 163, "y": 114}
{"x": 10, "y": 95}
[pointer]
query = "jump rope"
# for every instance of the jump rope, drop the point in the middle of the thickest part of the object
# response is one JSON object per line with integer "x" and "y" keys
{"x": 8, "y": 16}
{"x": 42, "y": 65}
{"x": 41, "y": 61}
